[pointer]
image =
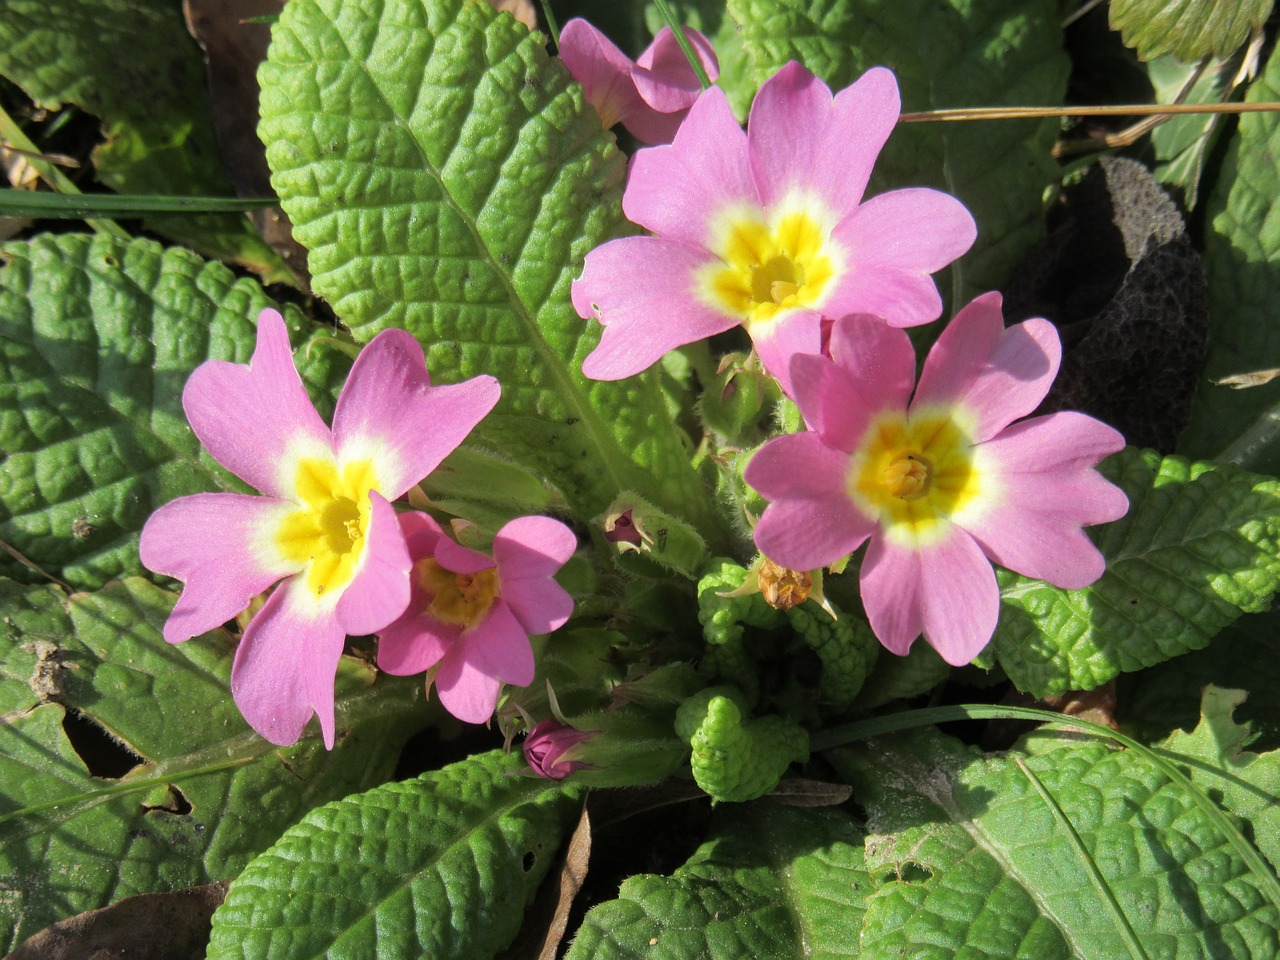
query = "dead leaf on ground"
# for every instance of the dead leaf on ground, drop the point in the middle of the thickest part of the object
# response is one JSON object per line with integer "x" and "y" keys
{"x": 572, "y": 876}
{"x": 150, "y": 926}
{"x": 522, "y": 10}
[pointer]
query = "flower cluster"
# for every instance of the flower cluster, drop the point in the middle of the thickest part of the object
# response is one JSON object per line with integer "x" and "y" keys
{"x": 326, "y": 532}
{"x": 769, "y": 229}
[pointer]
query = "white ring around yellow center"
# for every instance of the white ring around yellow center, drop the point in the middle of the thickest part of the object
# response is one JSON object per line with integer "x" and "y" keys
{"x": 326, "y": 534}
{"x": 915, "y": 474}
{"x": 769, "y": 265}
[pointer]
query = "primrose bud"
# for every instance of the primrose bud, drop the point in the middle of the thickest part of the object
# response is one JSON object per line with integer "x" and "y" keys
{"x": 548, "y": 746}
{"x": 645, "y": 536}
{"x": 734, "y": 403}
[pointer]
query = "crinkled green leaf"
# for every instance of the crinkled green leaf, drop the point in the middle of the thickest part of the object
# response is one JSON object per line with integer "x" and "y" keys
{"x": 436, "y": 867}
{"x": 970, "y": 862}
{"x": 1247, "y": 784}
{"x": 1242, "y": 261}
{"x": 207, "y": 793}
{"x": 97, "y": 339}
{"x": 447, "y": 178}
{"x": 773, "y": 882}
{"x": 956, "y": 54}
{"x": 1197, "y": 549}
{"x": 133, "y": 64}
{"x": 1188, "y": 29}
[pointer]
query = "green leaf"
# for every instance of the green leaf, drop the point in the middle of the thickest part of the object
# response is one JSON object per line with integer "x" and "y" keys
{"x": 435, "y": 867}
{"x": 1246, "y": 655}
{"x": 1188, "y": 29}
{"x": 1245, "y": 783}
{"x": 1242, "y": 261}
{"x": 955, "y": 54}
{"x": 206, "y": 794}
{"x": 969, "y": 861}
{"x": 133, "y": 64}
{"x": 1197, "y": 549}
{"x": 1182, "y": 145}
{"x": 97, "y": 339}
{"x": 773, "y": 882}
{"x": 446, "y": 177}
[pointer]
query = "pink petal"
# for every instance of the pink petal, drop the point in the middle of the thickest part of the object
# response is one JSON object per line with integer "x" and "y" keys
{"x": 872, "y": 368}
{"x": 803, "y": 139}
{"x": 379, "y": 592}
{"x": 389, "y": 411}
{"x": 662, "y": 74}
{"x": 285, "y": 664}
{"x": 218, "y": 544}
{"x": 532, "y": 547}
{"x": 497, "y": 649}
{"x": 1046, "y": 490}
{"x": 254, "y": 419}
{"x": 947, "y": 590}
{"x": 641, "y": 289}
{"x": 603, "y": 70}
{"x": 777, "y": 343}
{"x": 812, "y": 521}
{"x": 456, "y": 558}
{"x": 894, "y": 241}
{"x": 414, "y": 643}
{"x": 677, "y": 191}
{"x": 995, "y": 375}
{"x": 421, "y": 533}
{"x": 539, "y": 604}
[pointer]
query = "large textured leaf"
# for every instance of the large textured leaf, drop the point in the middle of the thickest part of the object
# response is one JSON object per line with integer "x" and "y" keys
{"x": 131, "y": 63}
{"x": 97, "y": 339}
{"x": 970, "y": 861}
{"x": 446, "y": 178}
{"x": 436, "y": 867}
{"x": 953, "y": 54}
{"x": 1197, "y": 549}
{"x": 1242, "y": 260}
{"x": 206, "y": 794}
{"x": 773, "y": 882}
{"x": 1188, "y": 29}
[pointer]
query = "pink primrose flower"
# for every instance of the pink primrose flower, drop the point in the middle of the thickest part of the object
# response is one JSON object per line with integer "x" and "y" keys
{"x": 768, "y": 229}
{"x": 325, "y": 526}
{"x": 940, "y": 481}
{"x": 547, "y": 744}
{"x": 470, "y": 614}
{"x": 649, "y": 97}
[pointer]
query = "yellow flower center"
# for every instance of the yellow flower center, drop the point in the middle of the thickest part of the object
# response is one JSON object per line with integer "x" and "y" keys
{"x": 461, "y": 599}
{"x": 768, "y": 268}
{"x": 326, "y": 533}
{"x": 914, "y": 474}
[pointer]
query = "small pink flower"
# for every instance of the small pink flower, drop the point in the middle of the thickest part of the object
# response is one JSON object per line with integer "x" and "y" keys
{"x": 325, "y": 526}
{"x": 940, "y": 481}
{"x": 546, "y": 745}
{"x": 649, "y": 97}
{"x": 470, "y": 615}
{"x": 768, "y": 229}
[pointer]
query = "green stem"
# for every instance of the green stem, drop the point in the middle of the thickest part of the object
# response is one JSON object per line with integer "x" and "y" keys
{"x": 553, "y": 27}
{"x": 914, "y": 719}
{"x": 677, "y": 28}
{"x": 14, "y": 135}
